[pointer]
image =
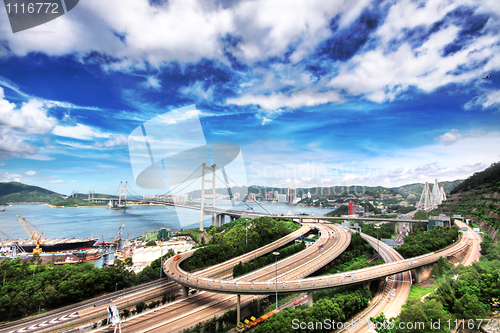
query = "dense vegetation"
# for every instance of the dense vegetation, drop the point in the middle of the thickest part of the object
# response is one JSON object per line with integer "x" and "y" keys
{"x": 241, "y": 269}
{"x": 386, "y": 229}
{"x": 354, "y": 257}
{"x": 228, "y": 241}
{"x": 75, "y": 202}
{"x": 464, "y": 293}
{"x": 26, "y": 287}
{"x": 400, "y": 209}
{"x": 17, "y": 192}
{"x": 488, "y": 178}
{"x": 477, "y": 198}
{"x": 421, "y": 242}
{"x": 337, "y": 304}
{"x": 342, "y": 210}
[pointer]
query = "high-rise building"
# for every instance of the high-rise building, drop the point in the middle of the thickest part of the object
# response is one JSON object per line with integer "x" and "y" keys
{"x": 269, "y": 196}
{"x": 276, "y": 195}
{"x": 282, "y": 198}
{"x": 291, "y": 193}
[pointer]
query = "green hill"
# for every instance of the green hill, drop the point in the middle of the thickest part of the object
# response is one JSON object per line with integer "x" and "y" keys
{"x": 75, "y": 202}
{"x": 478, "y": 199}
{"x": 419, "y": 187}
{"x": 17, "y": 192}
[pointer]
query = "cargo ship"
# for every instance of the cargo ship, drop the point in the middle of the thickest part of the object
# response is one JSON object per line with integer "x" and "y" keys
{"x": 36, "y": 244}
{"x": 52, "y": 245}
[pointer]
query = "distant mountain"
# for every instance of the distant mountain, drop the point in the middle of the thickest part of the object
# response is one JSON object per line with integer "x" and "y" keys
{"x": 419, "y": 187}
{"x": 17, "y": 192}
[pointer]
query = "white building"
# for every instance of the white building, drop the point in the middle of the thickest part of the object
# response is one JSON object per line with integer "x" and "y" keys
{"x": 282, "y": 198}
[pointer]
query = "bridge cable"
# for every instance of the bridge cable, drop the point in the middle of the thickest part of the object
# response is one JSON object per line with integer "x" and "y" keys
{"x": 241, "y": 188}
{"x": 230, "y": 188}
{"x": 185, "y": 180}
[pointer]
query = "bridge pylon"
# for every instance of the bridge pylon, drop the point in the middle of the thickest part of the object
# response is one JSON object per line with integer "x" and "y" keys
{"x": 203, "y": 195}
{"x": 123, "y": 192}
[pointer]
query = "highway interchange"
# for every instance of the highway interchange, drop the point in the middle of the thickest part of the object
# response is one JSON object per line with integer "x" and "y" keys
{"x": 205, "y": 305}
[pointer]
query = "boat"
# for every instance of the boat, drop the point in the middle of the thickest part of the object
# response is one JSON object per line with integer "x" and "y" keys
{"x": 39, "y": 244}
{"x": 55, "y": 244}
{"x": 3, "y": 210}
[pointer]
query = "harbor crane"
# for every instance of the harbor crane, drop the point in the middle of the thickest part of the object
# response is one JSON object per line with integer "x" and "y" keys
{"x": 32, "y": 234}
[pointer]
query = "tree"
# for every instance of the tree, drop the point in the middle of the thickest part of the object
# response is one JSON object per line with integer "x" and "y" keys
{"x": 140, "y": 307}
{"x": 469, "y": 307}
{"x": 128, "y": 261}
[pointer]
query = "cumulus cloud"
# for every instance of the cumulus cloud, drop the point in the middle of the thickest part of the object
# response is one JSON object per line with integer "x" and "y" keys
{"x": 30, "y": 173}
{"x": 137, "y": 32}
{"x": 450, "y": 137}
{"x": 58, "y": 181}
{"x": 17, "y": 124}
{"x": 10, "y": 177}
{"x": 395, "y": 64}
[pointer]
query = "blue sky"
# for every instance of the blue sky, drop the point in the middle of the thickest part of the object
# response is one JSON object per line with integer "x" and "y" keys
{"x": 314, "y": 92}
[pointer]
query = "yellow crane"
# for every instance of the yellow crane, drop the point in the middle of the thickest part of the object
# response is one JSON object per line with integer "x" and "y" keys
{"x": 32, "y": 234}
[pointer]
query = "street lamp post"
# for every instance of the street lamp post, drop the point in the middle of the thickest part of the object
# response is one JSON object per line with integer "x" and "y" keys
{"x": 378, "y": 241}
{"x": 276, "y": 254}
{"x": 246, "y": 232}
{"x": 161, "y": 259}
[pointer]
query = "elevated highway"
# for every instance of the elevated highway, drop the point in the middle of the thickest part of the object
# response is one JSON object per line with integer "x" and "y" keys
{"x": 97, "y": 307}
{"x": 247, "y": 287}
{"x": 204, "y": 305}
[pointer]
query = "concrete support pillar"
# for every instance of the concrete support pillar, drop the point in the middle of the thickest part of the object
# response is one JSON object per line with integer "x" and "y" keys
{"x": 185, "y": 292}
{"x": 310, "y": 300}
{"x": 217, "y": 324}
{"x": 238, "y": 308}
{"x": 396, "y": 227}
{"x": 222, "y": 219}
{"x": 418, "y": 274}
{"x": 232, "y": 219}
{"x": 202, "y": 329}
{"x": 366, "y": 284}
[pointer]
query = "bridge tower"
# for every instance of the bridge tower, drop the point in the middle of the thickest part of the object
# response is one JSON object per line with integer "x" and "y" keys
{"x": 203, "y": 195}
{"x": 123, "y": 192}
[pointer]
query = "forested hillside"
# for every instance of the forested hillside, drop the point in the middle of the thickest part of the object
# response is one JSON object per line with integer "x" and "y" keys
{"x": 17, "y": 192}
{"x": 478, "y": 198}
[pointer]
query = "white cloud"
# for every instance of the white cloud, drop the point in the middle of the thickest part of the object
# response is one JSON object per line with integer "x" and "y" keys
{"x": 387, "y": 168}
{"x": 72, "y": 181}
{"x": 152, "y": 82}
{"x": 450, "y": 137}
{"x": 118, "y": 140}
{"x": 30, "y": 173}
{"x": 476, "y": 133}
{"x": 487, "y": 100}
{"x": 12, "y": 144}
{"x": 275, "y": 101}
{"x": 185, "y": 30}
{"x": 392, "y": 67}
{"x": 10, "y": 177}
{"x": 58, "y": 181}
{"x": 80, "y": 131}
{"x": 197, "y": 91}
{"x": 30, "y": 118}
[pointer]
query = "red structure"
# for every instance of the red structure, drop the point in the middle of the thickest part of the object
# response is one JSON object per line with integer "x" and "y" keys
{"x": 351, "y": 205}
